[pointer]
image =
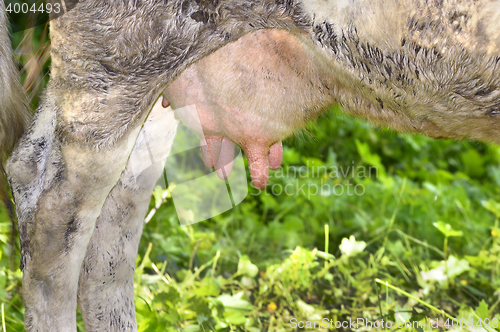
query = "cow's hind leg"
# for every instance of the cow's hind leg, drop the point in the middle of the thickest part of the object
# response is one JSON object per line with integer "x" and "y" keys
{"x": 106, "y": 288}
{"x": 60, "y": 187}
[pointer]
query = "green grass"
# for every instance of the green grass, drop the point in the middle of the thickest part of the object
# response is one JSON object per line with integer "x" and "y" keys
{"x": 420, "y": 244}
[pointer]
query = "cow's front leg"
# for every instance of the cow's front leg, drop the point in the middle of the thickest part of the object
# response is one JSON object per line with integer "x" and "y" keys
{"x": 106, "y": 288}
{"x": 60, "y": 187}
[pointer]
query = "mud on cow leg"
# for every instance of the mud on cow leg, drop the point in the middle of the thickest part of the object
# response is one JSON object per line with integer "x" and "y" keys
{"x": 60, "y": 186}
{"x": 54, "y": 244}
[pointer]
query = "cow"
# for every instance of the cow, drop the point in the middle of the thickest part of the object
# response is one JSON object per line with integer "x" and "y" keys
{"x": 256, "y": 70}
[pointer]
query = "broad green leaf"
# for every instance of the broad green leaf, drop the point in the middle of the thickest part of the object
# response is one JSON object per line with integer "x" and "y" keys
{"x": 235, "y": 318}
{"x": 245, "y": 267}
{"x": 235, "y": 302}
{"x": 482, "y": 310}
{"x": 447, "y": 230}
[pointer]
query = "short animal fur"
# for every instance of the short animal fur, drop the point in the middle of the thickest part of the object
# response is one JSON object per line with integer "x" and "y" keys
{"x": 422, "y": 66}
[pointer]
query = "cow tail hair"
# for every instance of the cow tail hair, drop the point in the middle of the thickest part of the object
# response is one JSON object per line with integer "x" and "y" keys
{"x": 14, "y": 109}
